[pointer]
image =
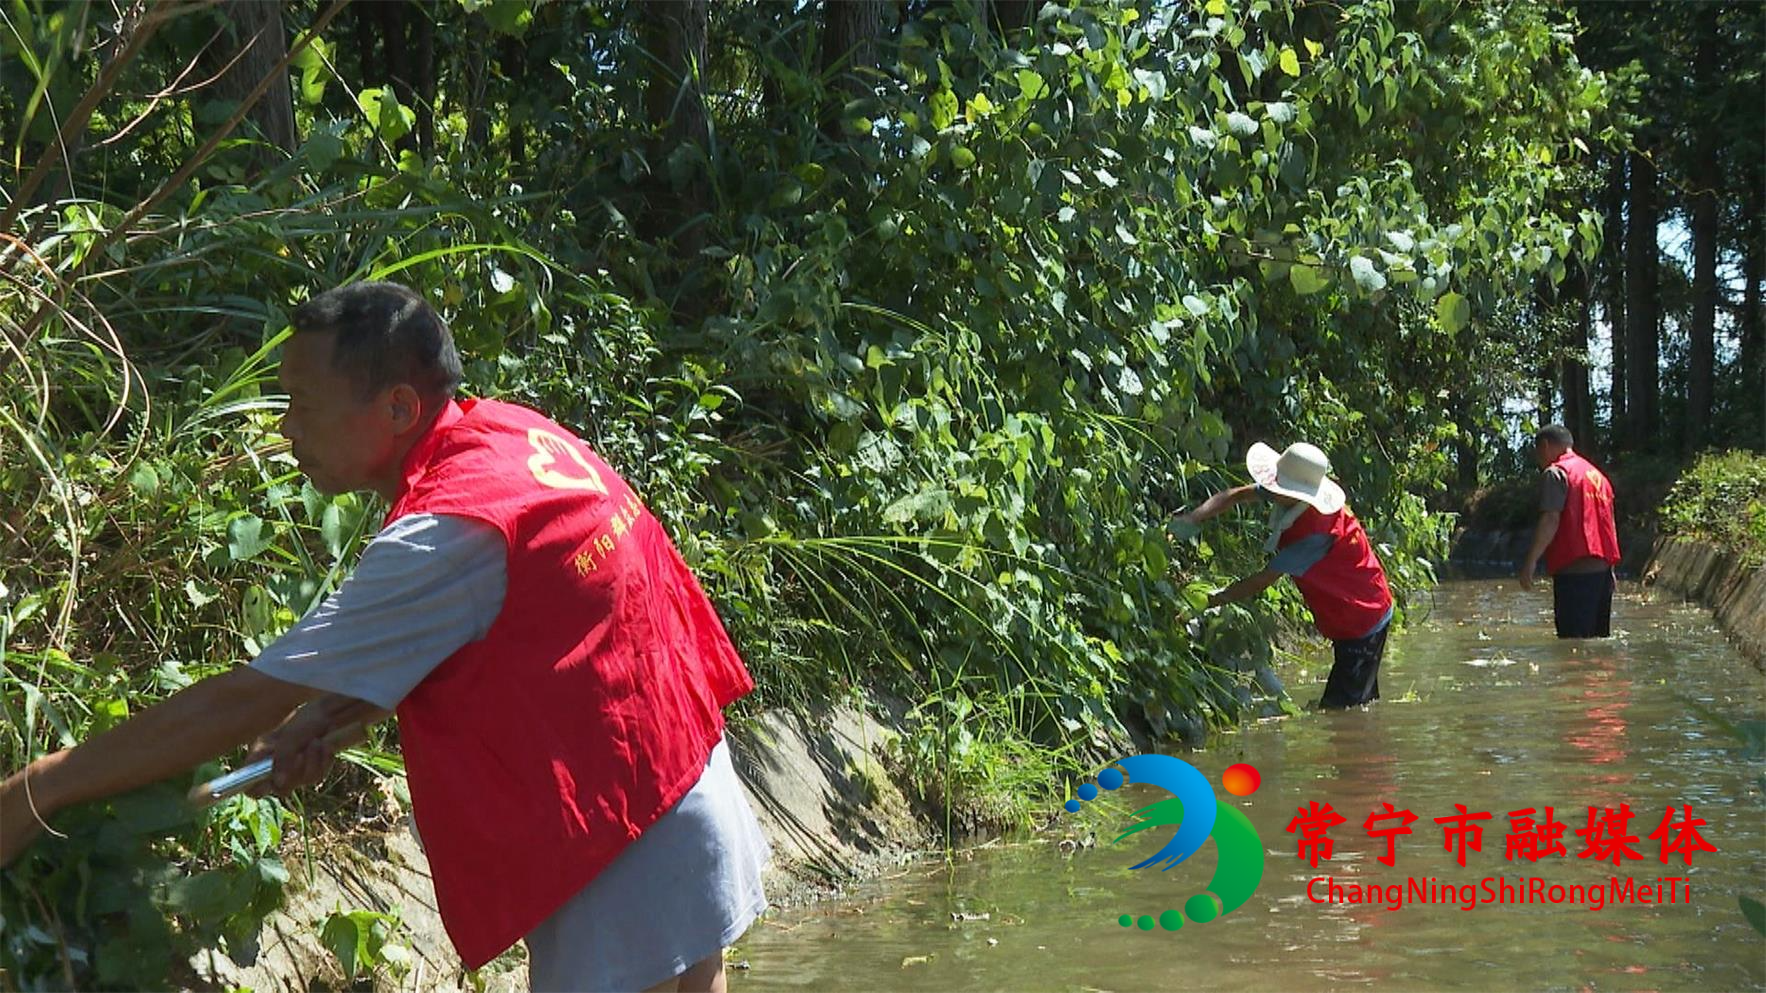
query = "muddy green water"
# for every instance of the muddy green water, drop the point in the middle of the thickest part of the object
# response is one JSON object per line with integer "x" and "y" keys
{"x": 1483, "y": 707}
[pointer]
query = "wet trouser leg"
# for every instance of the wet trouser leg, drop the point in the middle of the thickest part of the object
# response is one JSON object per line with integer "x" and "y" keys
{"x": 1355, "y": 677}
{"x": 1582, "y": 603}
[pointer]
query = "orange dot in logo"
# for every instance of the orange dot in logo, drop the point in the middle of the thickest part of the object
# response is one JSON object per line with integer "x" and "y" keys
{"x": 1241, "y": 779}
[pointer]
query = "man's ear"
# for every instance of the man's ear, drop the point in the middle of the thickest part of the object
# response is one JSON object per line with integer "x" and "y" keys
{"x": 405, "y": 407}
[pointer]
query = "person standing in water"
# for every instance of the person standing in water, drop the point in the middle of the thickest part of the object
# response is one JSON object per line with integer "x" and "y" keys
{"x": 1316, "y": 540}
{"x": 1577, "y": 536}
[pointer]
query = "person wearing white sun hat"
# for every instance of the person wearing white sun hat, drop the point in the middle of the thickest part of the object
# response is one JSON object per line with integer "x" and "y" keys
{"x": 1317, "y": 541}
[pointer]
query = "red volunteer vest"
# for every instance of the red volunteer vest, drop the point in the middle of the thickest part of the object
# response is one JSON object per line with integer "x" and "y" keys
{"x": 1346, "y": 590}
{"x": 536, "y": 754}
{"x": 1586, "y": 527}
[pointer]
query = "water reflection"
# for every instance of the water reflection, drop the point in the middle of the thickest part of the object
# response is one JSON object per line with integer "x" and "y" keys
{"x": 1599, "y": 694}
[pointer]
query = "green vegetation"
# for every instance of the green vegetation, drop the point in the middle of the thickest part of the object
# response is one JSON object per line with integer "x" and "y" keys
{"x": 915, "y": 323}
{"x": 1722, "y": 500}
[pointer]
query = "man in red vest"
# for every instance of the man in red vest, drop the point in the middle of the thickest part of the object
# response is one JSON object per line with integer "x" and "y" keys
{"x": 1319, "y": 542}
{"x": 1577, "y": 536}
{"x": 559, "y": 675}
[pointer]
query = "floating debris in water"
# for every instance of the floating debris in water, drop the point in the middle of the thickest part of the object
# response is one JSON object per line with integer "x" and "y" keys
{"x": 1068, "y": 846}
{"x": 992, "y": 942}
{"x": 965, "y": 918}
{"x": 917, "y": 960}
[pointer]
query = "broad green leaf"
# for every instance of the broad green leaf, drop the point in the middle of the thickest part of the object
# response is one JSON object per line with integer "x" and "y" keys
{"x": 1196, "y": 595}
{"x": 247, "y": 536}
{"x": 258, "y": 611}
{"x": 944, "y": 109}
{"x": 1306, "y": 279}
{"x": 334, "y": 528}
{"x": 144, "y": 479}
{"x": 385, "y": 113}
{"x": 1369, "y": 278}
{"x": 1152, "y": 81}
{"x": 511, "y": 17}
{"x": 343, "y": 936}
{"x": 1452, "y": 311}
{"x": 1755, "y": 912}
{"x": 323, "y": 149}
{"x": 1158, "y": 563}
{"x": 1289, "y": 62}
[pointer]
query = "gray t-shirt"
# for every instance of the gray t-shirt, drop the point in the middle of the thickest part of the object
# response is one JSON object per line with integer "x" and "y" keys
{"x": 1554, "y": 490}
{"x": 1302, "y": 555}
{"x": 426, "y": 585}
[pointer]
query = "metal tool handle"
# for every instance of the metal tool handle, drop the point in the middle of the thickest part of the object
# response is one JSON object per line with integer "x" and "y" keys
{"x": 247, "y": 776}
{"x": 222, "y": 787}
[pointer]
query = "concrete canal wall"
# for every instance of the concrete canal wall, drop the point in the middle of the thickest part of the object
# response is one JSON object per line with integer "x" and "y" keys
{"x": 1719, "y": 580}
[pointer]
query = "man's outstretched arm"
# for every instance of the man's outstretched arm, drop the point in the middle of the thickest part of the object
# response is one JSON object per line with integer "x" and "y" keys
{"x": 1219, "y": 504}
{"x": 198, "y": 723}
{"x": 1245, "y": 588}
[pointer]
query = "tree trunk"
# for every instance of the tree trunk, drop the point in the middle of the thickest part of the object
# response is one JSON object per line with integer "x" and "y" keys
{"x": 1642, "y": 306}
{"x": 1465, "y": 447}
{"x": 1705, "y": 293}
{"x": 1753, "y": 334}
{"x": 1012, "y": 16}
{"x": 364, "y": 21}
{"x": 1578, "y": 416}
{"x": 477, "y": 72}
{"x": 397, "y": 59}
{"x": 676, "y": 193}
{"x": 1612, "y": 270}
{"x": 675, "y": 34}
{"x": 258, "y": 40}
{"x": 425, "y": 83}
{"x": 1549, "y": 368}
{"x": 851, "y": 30}
{"x": 512, "y": 56}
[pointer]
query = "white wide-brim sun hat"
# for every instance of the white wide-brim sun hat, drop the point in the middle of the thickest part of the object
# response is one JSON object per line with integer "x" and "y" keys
{"x": 1301, "y": 472}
